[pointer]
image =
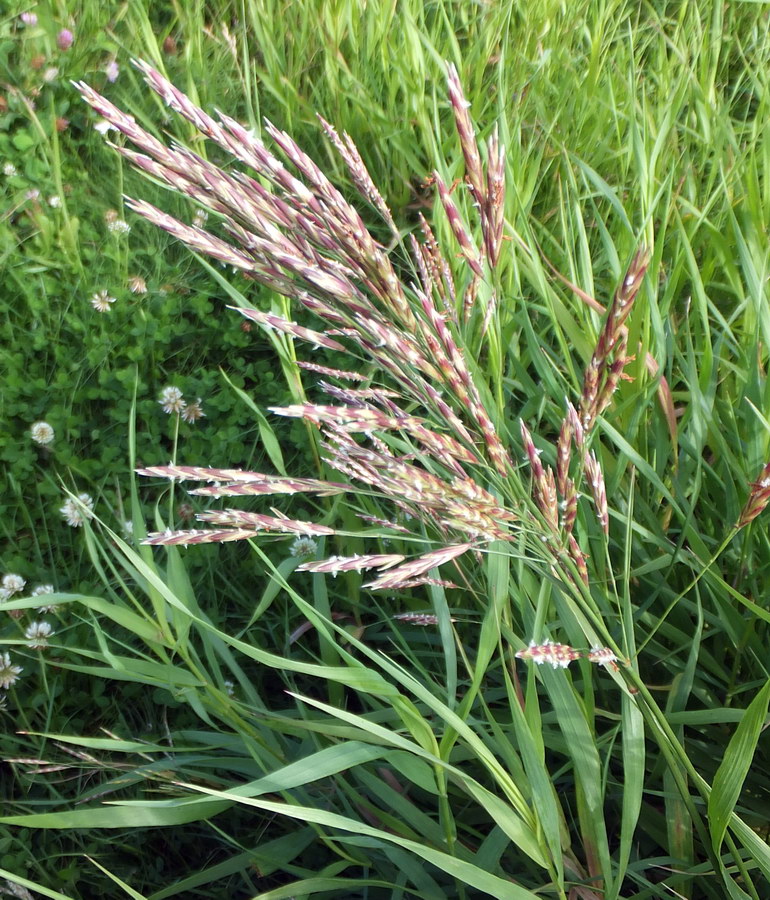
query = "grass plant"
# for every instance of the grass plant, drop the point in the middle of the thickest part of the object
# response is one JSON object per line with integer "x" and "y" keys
{"x": 503, "y": 632}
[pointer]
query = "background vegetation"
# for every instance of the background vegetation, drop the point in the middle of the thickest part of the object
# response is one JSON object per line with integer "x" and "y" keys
{"x": 623, "y": 123}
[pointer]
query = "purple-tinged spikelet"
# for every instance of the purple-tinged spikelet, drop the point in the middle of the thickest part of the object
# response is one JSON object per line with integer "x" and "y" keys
{"x": 758, "y": 498}
{"x": 556, "y": 655}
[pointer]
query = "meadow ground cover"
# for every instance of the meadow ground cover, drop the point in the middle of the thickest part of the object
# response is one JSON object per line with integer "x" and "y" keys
{"x": 471, "y": 472}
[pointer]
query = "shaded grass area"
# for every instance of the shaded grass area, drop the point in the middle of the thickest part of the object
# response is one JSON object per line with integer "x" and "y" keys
{"x": 623, "y": 123}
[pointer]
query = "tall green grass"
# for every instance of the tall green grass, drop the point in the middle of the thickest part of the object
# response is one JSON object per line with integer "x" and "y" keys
{"x": 353, "y": 755}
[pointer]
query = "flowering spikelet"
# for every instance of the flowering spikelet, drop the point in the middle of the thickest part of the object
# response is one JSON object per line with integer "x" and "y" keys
{"x": 205, "y": 536}
{"x": 543, "y": 482}
{"x": 335, "y": 564}
{"x": 557, "y": 655}
{"x": 424, "y": 580}
{"x": 470, "y": 253}
{"x": 280, "y": 524}
{"x": 568, "y": 506}
{"x": 331, "y": 373}
{"x": 563, "y": 455}
{"x": 280, "y": 324}
{"x": 361, "y": 177}
{"x": 395, "y": 577}
{"x": 758, "y": 498}
{"x": 493, "y": 219}
{"x": 383, "y": 523}
{"x": 601, "y": 377}
{"x": 578, "y": 558}
{"x": 602, "y": 656}
{"x": 598, "y": 490}
{"x": 467, "y": 135}
{"x": 423, "y": 619}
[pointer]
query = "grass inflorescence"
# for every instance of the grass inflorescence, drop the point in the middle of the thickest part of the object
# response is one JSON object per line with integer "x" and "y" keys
{"x": 476, "y": 605}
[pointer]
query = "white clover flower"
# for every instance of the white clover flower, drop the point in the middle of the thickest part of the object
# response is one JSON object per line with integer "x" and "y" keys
{"x": 303, "y": 546}
{"x": 8, "y": 674}
{"x": 50, "y": 74}
{"x": 171, "y": 400}
{"x": 54, "y": 201}
{"x": 229, "y": 688}
{"x": 137, "y": 284}
{"x": 193, "y": 412}
{"x": 118, "y": 226}
{"x": 29, "y": 19}
{"x": 4, "y": 595}
{"x": 76, "y": 511}
{"x": 33, "y": 194}
{"x": 112, "y": 71}
{"x": 12, "y": 584}
{"x": 41, "y": 433}
{"x": 40, "y": 591}
{"x": 9, "y": 169}
{"x": 37, "y": 635}
{"x": 101, "y": 301}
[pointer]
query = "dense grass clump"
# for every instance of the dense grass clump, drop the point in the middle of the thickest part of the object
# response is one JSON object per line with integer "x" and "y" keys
{"x": 473, "y": 600}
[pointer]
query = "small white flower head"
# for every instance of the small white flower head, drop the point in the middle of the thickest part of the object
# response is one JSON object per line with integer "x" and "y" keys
{"x": 37, "y": 635}
{"x": 102, "y": 301}
{"x": 229, "y": 688}
{"x": 33, "y": 194}
{"x": 137, "y": 284}
{"x": 128, "y": 528}
{"x": 200, "y": 218}
{"x": 40, "y": 591}
{"x": 103, "y": 126}
{"x": 76, "y": 511}
{"x": 4, "y": 595}
{"x": 171, "y": 400}
{"x": 54, "y": 201}
{"x": 118, "y": 226}
{"x": 29, "y": 19}
{"x": 9, "y": 170}
{"x": 303, "y": 546}
{"x": 112, "y": 71}
{"x": 193, "y": 412}
{"x": 50, "y": 74}
{"x": 8, "y": 674}
{"x": 41, "y": 433}
{"x": 12, "y": 584}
